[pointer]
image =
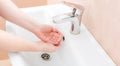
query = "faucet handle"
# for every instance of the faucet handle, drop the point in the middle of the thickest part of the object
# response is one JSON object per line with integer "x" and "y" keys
{"x": 73, "y": 13}
{"x": 76, "y": 12}
{"x": 74, "y": 5}
{"x": 77, "y": 8}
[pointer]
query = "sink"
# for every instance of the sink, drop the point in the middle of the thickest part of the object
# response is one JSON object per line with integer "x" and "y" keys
{"x": 77, "y": 50}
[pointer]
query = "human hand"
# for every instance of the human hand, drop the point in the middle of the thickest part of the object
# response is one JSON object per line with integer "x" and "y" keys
{"x": 46, "y": 47}
{"x": 49, "y": 34}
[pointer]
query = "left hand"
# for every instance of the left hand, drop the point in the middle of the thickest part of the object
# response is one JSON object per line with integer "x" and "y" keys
{"x": 49, "y": 34}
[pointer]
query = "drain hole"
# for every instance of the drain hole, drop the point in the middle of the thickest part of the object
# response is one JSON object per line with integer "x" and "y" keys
{"x": 45, "y": 56}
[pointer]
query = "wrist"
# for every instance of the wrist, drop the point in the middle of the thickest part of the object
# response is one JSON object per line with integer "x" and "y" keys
{"x": 35, "y": 28}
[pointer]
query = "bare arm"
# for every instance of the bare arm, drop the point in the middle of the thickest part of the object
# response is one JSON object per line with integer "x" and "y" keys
{"x": 11, "y": 12}
{"x": 9, "y": 42}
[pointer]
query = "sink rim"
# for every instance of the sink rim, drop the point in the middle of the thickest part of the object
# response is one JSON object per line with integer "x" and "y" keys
{"x": 102, "y": 51}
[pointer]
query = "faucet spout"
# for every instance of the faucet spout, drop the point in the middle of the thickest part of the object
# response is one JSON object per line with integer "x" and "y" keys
{"x": 74, "y": 17}
{"x": 75, "y": 26}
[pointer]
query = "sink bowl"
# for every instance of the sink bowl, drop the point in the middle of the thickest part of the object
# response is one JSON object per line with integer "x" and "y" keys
{"x": 77, "y": 50}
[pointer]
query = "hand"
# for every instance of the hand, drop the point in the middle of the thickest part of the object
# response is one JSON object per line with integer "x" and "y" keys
{"x": 46, "y": 47}
{"x": 49, "y": 34}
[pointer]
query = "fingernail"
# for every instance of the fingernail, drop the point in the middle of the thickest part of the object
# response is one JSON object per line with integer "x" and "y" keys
{"x": 56, "y": 45}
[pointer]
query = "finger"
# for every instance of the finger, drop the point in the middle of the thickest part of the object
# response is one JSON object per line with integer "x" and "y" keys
{"x": 55, "y": 30}
{"x": 53, "y": 41}
{"x": 60, "y": 35}
{"x": 57, "y": 44}
{"x": 48, "y": 38}
{"x": 55, "y": 38}
{"x": 44, "y": 38}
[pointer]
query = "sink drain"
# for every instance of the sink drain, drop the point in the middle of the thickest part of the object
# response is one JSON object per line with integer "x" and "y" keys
{"x": 45, "y": 56}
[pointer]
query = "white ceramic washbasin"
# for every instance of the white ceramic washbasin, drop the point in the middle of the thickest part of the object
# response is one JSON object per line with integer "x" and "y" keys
{"x": 76, "y": 50}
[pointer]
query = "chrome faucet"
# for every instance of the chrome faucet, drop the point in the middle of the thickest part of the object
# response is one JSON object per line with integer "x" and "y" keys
{"x": 74, "y": 17}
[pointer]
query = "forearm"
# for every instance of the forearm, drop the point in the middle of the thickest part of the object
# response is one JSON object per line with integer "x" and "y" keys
{"x": 12, "y": 13}
{"x": 9, "y": 42}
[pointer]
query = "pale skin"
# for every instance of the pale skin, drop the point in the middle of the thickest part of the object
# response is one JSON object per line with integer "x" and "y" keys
{"x": 14, "y": 44}
{"x": 50, "y": 36}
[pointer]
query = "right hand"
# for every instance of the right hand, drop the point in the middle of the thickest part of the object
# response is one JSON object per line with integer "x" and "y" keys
{"x": 48, "y": 34}
{"x": 46, "y": 47}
